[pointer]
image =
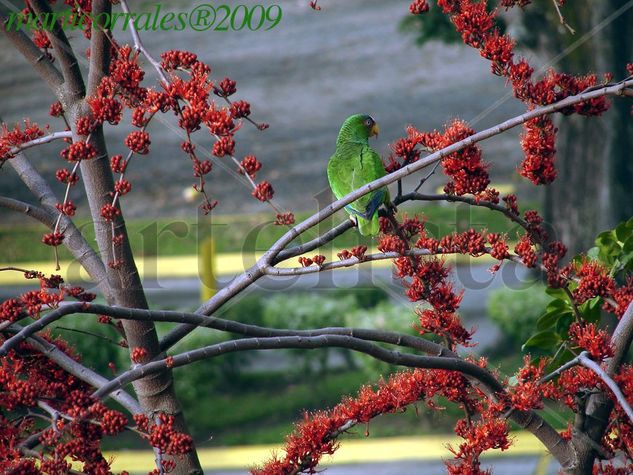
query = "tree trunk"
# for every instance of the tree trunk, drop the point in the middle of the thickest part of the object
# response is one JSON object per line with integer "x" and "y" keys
{"x": 594, "y": 189}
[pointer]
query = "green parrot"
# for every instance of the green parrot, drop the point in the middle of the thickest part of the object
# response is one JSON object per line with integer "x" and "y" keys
{"x": 355, "y": 164}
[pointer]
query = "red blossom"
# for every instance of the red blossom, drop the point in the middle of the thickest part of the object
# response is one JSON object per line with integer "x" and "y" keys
{"x": 418, "y": 7}
{"x": 224, "y": 146}
{"x": 594, "y": 281}
{"x": 53, "y": 239}
{"x": 250, "y": 165}
{"x": 359, "y": 252}
{"x": 263, "y": 191}
{"x": 67, "y": 208}
{"x": 138, "y": 355}
{"x": 240, "y": 109}
{"x": 138, "y": 141}
{"x": 109, "y": 212}
{"x": 589, "y": 338}
{"x": 79, "y": 151}
{"x": 285, "y": 219}
{"x": 226, "y": 88}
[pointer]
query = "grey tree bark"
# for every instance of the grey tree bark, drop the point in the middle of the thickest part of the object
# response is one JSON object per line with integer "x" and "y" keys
{"x": 594, "y": 188}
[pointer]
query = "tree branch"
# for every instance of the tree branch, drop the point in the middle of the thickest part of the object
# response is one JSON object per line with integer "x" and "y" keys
{"x": 322, "y": 341}
{"x": 33, "y": 211}
{"x": 73, "y": 240}
{"x": 471, "y": 200}
{"x": 74, "y": 87}
{"x": 218, "y": 324}
{"x": 39, "y": 141}
{"x": 77, "y": 369}
{"x": 99, "y": 44}
{"x": 314, "y": 243}
{"x": 36, "y": 57}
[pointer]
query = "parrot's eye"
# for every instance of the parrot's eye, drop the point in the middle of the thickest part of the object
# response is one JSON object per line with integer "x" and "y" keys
{"x": 369, "y": 122}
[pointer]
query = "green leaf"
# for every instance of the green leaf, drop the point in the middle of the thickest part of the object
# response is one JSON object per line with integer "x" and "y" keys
{"x": 622, "y": 232}
{"x": 544, "y": 340}
{"x": 605, "y": 238}
{"x": 627, "y": 261}
{"x": 556, "y": 293}
{"x": 593, "y": 253}
{"x": 558, "y": 304}
{"x": 590, "y": 310}
{"x": 628, "y": 245}
{"x": 550, "y": 318}
{"x": 562, "y": 325}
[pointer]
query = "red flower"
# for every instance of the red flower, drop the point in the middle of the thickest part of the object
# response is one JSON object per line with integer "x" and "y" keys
{"x": 538, "y": 143}
{"x": 589, "y": 338}
{"x": 240, "y": 109}
{"x": 79, "y": 151}
{"x": 224, "y": 146}
{"x": 418, "y": 7}
{"x": 226, "y": 88}
{"x": 263, "y": 191}
{"x": 250, "y": 164}
{"x": 53, "y": 239}
{"x": 138, "y": 355}
{"x": 285, "y": 219}
{"x": 109, "y": 212}
{"x": 138, "y": 141}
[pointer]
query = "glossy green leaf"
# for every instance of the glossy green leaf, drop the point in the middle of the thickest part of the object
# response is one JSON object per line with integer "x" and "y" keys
{"x": 590, "y": 310}
{"x": 550, "y": 318}
{"x": 544, "y": 340}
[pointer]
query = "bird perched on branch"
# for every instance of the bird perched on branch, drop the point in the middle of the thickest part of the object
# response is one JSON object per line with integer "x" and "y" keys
{"x": 355, "y": 164}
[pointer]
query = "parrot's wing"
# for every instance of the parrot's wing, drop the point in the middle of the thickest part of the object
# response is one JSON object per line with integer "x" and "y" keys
{"x": 351, "y": 167}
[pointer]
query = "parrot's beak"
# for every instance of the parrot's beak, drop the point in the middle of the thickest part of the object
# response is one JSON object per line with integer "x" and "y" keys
{"x": 375, "y": 130}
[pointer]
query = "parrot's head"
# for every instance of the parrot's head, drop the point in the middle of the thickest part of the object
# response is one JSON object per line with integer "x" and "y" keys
{"x": 358, "y": 128}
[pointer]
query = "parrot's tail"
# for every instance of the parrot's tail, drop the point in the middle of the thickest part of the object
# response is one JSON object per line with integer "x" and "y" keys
{"x": 368, "y": 227}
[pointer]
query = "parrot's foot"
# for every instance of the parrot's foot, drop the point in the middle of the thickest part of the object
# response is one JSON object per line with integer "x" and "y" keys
{"x": 391, "y": 208}
{"x": 354, "y": 219}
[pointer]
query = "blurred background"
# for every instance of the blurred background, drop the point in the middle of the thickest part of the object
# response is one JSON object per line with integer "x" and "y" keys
{"x": 304, "y": 77}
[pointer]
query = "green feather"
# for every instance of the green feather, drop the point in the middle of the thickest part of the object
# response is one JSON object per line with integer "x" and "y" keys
{"x": 355, "y": 164}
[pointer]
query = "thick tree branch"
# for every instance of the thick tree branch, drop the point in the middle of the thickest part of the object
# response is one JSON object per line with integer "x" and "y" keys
{"x": 99, "y": 44}
{"x": 217, "y": 324}
{"x": 33, "y": 211}
{"x": 322, "y": 341}
{"x": 73, "y": 80}
{"x": 36, "y": 57}
{"x": 315, "y": 243}
{"x": 73, "y": 240}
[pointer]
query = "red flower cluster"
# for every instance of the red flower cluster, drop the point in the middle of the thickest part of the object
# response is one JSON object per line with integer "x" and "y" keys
{"x": 138, "y": 141}
{"x": 539, "y": 146}
{"x": 591, "y": 339}
{"x": 284, "y": 219}
{"x": 594, "y": 281}
{"x": 138, "y": 355}
{"x": 418, "y": 7}
{"x": 78, "y": 151}
{"x": 263, "y": 191}
{"x": 250, "y": 165}
{"x": 11, "y": 138}
{"x": 466, "y": 169}
{"x": 316, "y": 435}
